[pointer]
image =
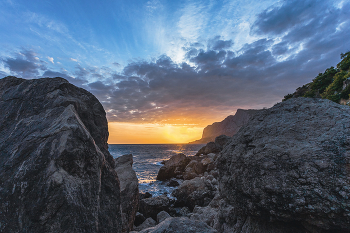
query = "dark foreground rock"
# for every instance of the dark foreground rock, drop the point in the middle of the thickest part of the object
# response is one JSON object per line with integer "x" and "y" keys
{"x": 129, "y": 190}
{"x": 56, "y": 173}
{"x": 290, "y": 166}
{"x": 180, "y": 225}
{"x": 150, "y": 207}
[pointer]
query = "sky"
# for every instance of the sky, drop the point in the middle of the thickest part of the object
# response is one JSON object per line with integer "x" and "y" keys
{"x": 165, "y": 69}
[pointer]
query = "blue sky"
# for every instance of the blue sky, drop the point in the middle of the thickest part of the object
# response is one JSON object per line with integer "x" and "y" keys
{"x": 175, "y": 62}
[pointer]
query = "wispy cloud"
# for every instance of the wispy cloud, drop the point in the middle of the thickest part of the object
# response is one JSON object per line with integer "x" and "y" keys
{"x": 50, "y": 59}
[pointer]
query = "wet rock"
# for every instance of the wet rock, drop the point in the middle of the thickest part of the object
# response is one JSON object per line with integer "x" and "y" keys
{"x": 161, "y": 216}
{"x": 174, "y": 167}
{"x": 197, "y": 191}
{"x": 129, "y": 190}
{"x": 290, "y": 164}
{"x": 180, "y": 225}
{"x": 150, "y": 207}
{"x": 56, "y": 173}
{"x": 149, "y": 222}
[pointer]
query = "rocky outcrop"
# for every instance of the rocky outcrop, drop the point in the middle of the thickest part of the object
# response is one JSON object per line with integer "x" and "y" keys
{"x": 173, "y": 167}
{"x": 129, "y": 190}
{"x": 185, "y": 167}
{"x": 289, "y": 167}
{"x": 56, "y": 173}
{"x": 229, "y": 126}
{"x": 180, "y": 225}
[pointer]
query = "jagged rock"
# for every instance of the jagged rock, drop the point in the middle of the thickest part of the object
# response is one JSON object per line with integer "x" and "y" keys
{"x": 197, "y": 191}
{"x": 150, "y": 207}
{"x": 180, "y": 225}
{"x": 161, "y": 216}
{"x": 290, "y": 165}
{"x": 129, "y": 190}
{"x": 149, "y": 222}
{"x": 56, "y": 173}
{"x": 173, "y": 167}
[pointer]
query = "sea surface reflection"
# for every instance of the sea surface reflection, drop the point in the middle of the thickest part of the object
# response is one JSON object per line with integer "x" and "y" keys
{"x": 147, "y": 161}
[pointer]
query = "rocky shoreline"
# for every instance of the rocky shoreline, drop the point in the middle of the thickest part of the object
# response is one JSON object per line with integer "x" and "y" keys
{"x": 286, "y": 170}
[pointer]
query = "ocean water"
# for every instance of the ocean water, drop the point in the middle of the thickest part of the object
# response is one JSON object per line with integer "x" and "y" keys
{"x": 147, "y": 161}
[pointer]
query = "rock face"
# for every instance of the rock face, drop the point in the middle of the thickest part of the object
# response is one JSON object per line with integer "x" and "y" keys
{"x": 291, "y": 164}
{"x": 229, "y": 126}
{"x": 56, "y": 173}
{"x": 129, "y": 190}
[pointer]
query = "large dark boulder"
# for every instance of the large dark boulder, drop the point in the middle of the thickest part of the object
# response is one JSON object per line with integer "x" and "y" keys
{"x": 197, "y": 191}
{"x": 150, "y": 207}
{"x": 129, "y": 190}
{"x": 56, "y": 173}
{"x": 174, "y": 167}
{"x": 290, "y": 165}
{"x": 180, "y": 225}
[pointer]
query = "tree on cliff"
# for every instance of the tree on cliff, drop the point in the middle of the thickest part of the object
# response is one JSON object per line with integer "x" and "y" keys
{"x": 332, "y": 84}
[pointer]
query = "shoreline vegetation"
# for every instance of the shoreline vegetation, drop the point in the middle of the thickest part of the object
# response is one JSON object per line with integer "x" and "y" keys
{"x": 286, "y": 169}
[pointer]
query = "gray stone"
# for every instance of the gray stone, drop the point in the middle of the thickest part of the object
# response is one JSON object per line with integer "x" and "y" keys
{"x": 56, "y": 173}
{"x": 289, "y": 164}
{"x": 173, "y": 167}
{"x": 150, "y": 207}
{"x": 149, "y": 222}
{"x": 161, "y": 216}
{"x": 197, "y": 191}
{"x": 180, "y": 225}
{"x": 129, "y": 190}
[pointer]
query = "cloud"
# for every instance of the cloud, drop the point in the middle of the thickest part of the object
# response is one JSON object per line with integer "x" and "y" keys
{"x": 217, "y": 44}
{"x": 72, "y": 59}
{"x": 53, "y": 74}
{"x": 295, "y": 41}
{"x": 50, "y": 59}
{"x": 25, "y": 64}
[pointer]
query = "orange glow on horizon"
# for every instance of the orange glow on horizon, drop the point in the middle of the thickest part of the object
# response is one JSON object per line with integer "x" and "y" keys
{"x": 133, "y": 133}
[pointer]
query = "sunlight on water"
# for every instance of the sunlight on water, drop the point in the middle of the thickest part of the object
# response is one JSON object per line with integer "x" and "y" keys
{"x": 147, "y": 161}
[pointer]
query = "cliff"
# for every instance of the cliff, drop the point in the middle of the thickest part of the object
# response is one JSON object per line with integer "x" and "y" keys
{"x": 56, "y": 173}
{"x": 229, "y": 126}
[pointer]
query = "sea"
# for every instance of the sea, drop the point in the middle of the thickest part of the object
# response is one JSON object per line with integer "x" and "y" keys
{"x": 147, "y": 161}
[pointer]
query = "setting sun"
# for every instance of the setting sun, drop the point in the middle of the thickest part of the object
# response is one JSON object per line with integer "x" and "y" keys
{"x": 132, "y": 133}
